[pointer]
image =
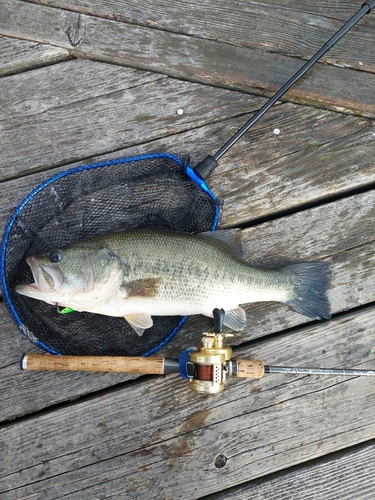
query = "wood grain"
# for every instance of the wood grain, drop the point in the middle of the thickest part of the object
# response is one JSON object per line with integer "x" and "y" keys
{"x": 317, "y": 155}
{"x": 66, "y": 84}
{"x": 345, "y": 475}
{"x": 144, "y": 434}
{"x": 135, "y": 108}
{"x": 282, "y": 27}
{"x": 187, "y": 57}
{"x": 19, "y": 55}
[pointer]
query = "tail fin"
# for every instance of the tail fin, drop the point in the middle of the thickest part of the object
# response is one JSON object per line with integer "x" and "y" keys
{"x": 311, "y": 281}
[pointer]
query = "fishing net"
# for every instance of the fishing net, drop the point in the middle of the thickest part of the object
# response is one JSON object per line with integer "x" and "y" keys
{"x": 151, "y": 191}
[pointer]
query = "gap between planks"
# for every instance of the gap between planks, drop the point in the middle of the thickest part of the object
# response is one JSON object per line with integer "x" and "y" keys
{"x": 190, "y": 58}
{"x": 18, "y": 56}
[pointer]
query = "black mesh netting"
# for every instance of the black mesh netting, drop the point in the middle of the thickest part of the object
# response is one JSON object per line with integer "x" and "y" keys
{"x": 151, "y": 192}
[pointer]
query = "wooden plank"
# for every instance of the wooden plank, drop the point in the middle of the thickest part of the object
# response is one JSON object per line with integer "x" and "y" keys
{"x": 112, "y": 117}
{"x": 28, "y": 393}
{"x": 341, "y": 232}
{"x": 261, "y": 163}
{"x": 188, "y": 57}
{"x": 317, "y": 155}
{"x": 281, "y": 27}
{"x": 66, "y": 84}
{"x": 346, "y": 475}
{"x": 134, "y": 440}
{"x": 19, "y": 55}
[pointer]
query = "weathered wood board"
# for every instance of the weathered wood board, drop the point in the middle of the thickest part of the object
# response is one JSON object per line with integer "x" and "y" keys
{"x": 19, "y": 55}
{"x": 195, "y": 58}
{"x": 130, "y": 107}
{"x": 67, "y": 84}
{"x": 133, "y": 440}
{"x": 280, "y": 26}
{"x": 139, "y": 107}
{"x": 345, "y": 475}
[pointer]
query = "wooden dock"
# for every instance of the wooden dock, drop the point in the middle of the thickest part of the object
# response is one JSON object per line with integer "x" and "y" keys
{"x": 85, "y": 80}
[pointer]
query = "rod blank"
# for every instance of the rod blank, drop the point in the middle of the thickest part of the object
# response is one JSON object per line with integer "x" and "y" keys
{"x": 320, "y": 371}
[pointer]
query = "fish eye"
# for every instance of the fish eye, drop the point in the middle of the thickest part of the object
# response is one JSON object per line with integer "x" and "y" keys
{"x": 55, "y": 256}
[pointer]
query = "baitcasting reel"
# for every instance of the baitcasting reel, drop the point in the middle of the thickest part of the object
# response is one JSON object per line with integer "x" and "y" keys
{"x": 209, "y": 367}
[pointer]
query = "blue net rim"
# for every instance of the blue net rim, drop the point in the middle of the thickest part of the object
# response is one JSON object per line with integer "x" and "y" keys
{"x": 190, "y": 173}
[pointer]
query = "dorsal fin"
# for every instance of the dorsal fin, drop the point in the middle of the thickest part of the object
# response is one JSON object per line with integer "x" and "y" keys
{"x": 231, "y": 238}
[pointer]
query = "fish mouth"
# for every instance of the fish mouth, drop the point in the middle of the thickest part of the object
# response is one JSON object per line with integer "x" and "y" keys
{"x": 47, "y": 279}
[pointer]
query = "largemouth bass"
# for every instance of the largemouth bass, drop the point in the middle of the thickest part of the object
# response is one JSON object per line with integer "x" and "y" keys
{"x": 143, "y": 273}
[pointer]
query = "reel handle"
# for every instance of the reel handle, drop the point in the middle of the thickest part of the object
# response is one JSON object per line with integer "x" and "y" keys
{"x": 138, "y": 365}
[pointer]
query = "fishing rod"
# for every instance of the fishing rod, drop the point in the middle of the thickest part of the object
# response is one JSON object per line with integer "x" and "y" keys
{"x": 205, "y": 167}
{"x": 207, "y": 368}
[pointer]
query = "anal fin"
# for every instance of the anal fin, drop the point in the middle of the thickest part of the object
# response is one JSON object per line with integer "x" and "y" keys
{"x": 139, "y": 322}
{"x": 235, "y": 318}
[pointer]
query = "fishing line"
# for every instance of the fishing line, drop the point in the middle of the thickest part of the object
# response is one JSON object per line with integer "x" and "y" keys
{"x": 159, "y": 191}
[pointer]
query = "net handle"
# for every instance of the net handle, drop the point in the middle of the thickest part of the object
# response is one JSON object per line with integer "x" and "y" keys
{"x": 205, "y": 168}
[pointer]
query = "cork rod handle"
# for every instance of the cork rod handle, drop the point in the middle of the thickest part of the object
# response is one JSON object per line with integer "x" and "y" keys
{"x": 139, "y": 365}
{"x": 250, "y": 368}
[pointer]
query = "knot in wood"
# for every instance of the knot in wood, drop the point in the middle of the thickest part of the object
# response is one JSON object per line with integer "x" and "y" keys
{"x": 220, "y": 461}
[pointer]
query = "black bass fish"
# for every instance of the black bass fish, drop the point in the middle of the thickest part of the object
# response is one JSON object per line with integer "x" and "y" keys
{"x": 141, "y": 273}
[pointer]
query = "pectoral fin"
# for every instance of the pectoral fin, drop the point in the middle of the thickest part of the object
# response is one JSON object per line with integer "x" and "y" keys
{"x": 139, "y": 322}
{"x": 235, "y": 318}
{"x": 147, "y": 287}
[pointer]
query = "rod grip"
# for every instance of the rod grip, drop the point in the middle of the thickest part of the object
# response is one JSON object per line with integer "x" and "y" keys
{"x": 249, "y": 368}
{"x": 122, "y": 364}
